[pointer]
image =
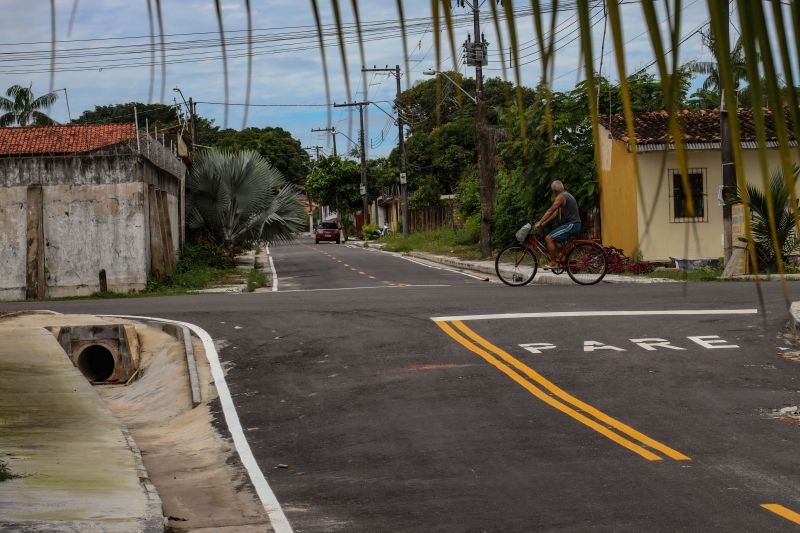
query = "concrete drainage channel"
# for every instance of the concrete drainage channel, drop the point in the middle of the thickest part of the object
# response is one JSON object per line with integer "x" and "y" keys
{"x": 141, "y": 371}
{"x": 103, "y": 353}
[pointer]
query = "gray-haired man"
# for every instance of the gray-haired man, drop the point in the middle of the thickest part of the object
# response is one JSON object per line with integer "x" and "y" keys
{"x": 570, "y": 221}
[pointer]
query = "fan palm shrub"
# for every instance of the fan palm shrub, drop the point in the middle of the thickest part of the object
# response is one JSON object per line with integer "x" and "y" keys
{"x": 784, "y": 239}
{"x": 237, "y": 199}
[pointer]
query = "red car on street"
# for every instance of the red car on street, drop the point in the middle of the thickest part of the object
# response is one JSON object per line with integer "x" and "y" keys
{"x": 328, "y": 231}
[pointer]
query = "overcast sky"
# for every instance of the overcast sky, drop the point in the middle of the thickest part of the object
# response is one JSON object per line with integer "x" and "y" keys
{"x": 281, "y": 74}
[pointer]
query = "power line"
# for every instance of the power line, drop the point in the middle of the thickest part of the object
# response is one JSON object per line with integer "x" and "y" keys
{"x": 280, "y": 105}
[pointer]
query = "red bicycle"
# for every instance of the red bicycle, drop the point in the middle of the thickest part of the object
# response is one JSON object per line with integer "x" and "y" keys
{"x": 585, "y": 262}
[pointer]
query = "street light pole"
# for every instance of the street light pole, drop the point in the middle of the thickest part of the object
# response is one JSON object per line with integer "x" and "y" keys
{"x": 432, "y": 72}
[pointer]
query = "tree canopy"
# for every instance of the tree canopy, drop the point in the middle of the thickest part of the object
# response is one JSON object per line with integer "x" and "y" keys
{"x": 277, "y": 146}
{"x": 22, "y": 109}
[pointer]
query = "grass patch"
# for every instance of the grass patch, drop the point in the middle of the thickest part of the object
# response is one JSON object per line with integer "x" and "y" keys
{"x": 462, "y": 243}
{"x": 256, "y": 279}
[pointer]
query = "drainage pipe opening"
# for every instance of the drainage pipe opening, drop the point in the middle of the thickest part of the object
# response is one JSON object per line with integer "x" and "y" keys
{"x": 96, "y": 363}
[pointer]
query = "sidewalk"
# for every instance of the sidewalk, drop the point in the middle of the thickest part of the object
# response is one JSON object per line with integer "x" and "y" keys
{"x": 80, "y": 469}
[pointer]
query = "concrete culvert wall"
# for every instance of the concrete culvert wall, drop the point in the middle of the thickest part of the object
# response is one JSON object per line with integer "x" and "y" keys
{"x": 96, "y": 362}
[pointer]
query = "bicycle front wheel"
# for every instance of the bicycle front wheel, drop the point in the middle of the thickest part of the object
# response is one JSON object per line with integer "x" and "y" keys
{"x": 587, "y": 263}
{"x": 515, "y": 265}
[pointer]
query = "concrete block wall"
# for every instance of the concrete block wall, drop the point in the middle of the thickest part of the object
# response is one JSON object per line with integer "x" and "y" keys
{"x": 92, "y": 228}
{"x": 94, "y": 216}
{"x": 13, "y": 205}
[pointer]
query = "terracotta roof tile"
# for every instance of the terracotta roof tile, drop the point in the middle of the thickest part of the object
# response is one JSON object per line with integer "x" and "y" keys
{"x": 698, "y": 126}
{"x": 66, "y": 139}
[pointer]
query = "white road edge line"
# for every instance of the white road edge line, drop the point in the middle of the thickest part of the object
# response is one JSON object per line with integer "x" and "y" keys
{"x": 598, "y": 313}
{"x": 274, "y": 274}
{"x": 365, "y": 287}
{"x": 270, "y": 503}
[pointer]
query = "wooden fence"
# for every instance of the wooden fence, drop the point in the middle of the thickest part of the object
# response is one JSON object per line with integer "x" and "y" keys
{"x": 431, "y": 218}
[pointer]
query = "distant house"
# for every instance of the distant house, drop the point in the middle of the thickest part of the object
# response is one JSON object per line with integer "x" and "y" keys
{"x": 651, "y": 214}
{"x": 85, "y": 207}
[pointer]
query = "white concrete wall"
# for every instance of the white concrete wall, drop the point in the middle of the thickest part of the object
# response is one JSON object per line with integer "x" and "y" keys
{"x": 13, "y": 228}
{"x": 91, "y": 228}
{"x": 661, "y": 239}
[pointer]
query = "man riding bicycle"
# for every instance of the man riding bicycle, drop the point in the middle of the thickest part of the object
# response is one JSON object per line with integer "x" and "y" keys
{"x": 570, "y": 222}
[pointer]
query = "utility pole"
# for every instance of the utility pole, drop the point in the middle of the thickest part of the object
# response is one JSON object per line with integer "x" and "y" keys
{"x": 476, "y": 56}
{"x": 316, "y": 150}
{"x": 332, "y": 130}
{"x": 726, "y": 150}
{"x": 401, "y": 144}
{"x": 193, "y": 122}
{"x": 361, "y": 106}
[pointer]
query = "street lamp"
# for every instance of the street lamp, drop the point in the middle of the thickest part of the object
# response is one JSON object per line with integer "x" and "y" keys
{"x": 432, "y": 72}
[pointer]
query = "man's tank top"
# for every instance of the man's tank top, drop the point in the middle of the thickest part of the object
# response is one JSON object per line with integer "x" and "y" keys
{"x": 569, "y": 213}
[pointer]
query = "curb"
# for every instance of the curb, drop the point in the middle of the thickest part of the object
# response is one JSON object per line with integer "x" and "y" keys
{"x": 794, "y": 313}
{"x": 155, "y": 520}
{"x": 191, "y": 363}
{"x": 183, "y": 335}
{"x": 542, "y": 278}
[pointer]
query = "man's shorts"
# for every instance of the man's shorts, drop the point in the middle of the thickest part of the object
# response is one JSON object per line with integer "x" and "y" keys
{"x": 564, "y": 232}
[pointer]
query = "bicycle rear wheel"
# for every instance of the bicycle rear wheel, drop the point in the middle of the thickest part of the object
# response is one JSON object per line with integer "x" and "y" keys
{"x": 515, "y": 265}
{"x": 587, "y": 263}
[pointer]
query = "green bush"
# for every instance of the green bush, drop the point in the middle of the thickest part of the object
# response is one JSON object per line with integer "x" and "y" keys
{"x": 368, "y": 230}
{"x": 469, "y": 197}
{"x": 204, "y": 254}
{"x": 511, "y": 212}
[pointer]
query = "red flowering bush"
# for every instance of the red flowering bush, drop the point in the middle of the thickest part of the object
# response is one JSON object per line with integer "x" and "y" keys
{"x": 619, "y": 263}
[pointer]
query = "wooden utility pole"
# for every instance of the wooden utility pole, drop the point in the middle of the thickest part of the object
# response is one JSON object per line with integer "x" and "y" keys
{"x": 476, "y": 56}
{"x": 332, "y": 131}
{"x": 193, "y": 122}
{"x": 315, "y": 148}
{"x": 364, "y": 196}
{"x": 401, "y": 144}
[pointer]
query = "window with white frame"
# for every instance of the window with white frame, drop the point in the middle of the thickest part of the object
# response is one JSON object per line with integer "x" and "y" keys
{"x": 679, "y": 196}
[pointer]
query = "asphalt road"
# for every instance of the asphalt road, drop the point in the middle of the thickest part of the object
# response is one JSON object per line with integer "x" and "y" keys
{"x": 400, "y": 401}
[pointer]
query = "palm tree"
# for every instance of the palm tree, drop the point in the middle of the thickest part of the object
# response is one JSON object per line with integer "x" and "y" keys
{"x": 236, "y": 199}
{"x": 738, "y": 67}
{"x": 23, "y": 110}
{"x": 785, "y": 232}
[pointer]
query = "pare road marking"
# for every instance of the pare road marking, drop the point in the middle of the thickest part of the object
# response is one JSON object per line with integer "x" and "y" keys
{"x": 652, "y": 344}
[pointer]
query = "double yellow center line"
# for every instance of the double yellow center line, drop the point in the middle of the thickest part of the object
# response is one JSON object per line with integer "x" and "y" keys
{"x": 551, "y": 394}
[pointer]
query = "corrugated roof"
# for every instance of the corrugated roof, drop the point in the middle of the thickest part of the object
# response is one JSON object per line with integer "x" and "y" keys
{"x": 66, "y": 139}
{"x": 697, "y": 125}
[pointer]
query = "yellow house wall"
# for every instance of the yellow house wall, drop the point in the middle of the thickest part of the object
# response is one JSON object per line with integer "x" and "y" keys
{"x": 661, "y": 239}
{"x": 618, "y": 219}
